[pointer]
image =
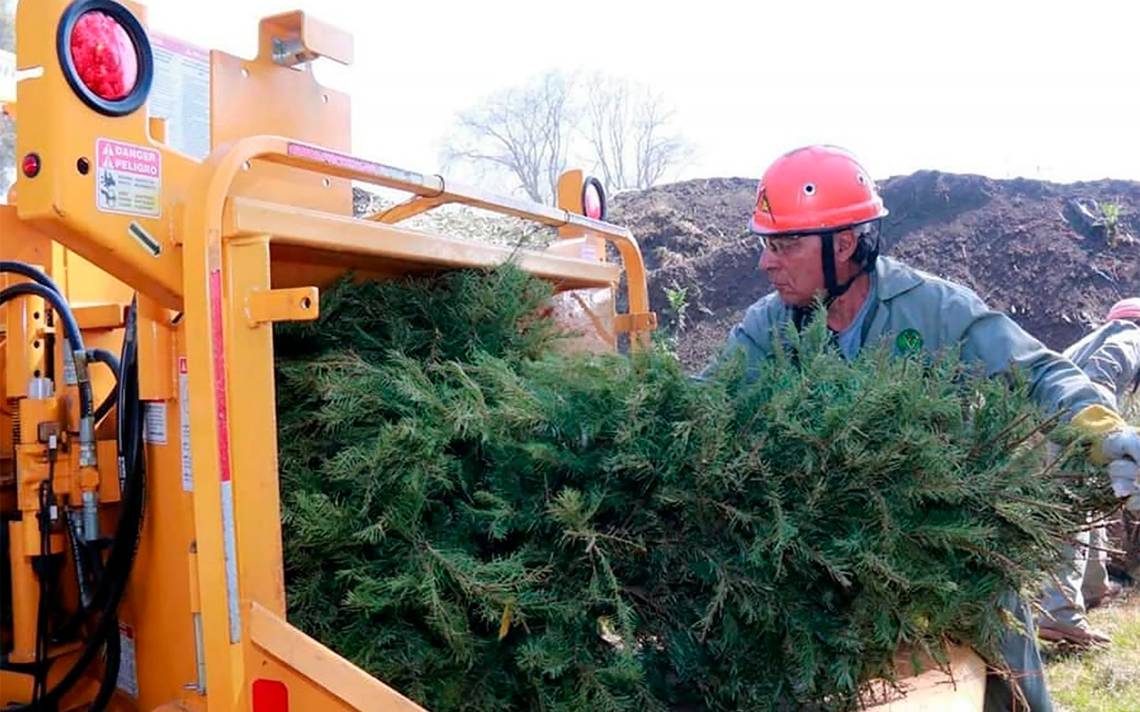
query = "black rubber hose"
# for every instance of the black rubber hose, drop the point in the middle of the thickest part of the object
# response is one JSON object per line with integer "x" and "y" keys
{"x": 106, "y": 406}
{"x": 106, "y": 357}
{"x": 70, "y": 328}
{"x": 85, "y": 562}
{"x": 130, "y": 443}
{"x": 112, "y": 361}
{"x": 108, "y": 625}
{"x": 39, "y": 680}
{"x": 106, "y": 634}
{"x": 125, "y": 542}
{"x": 26, "y": 270}
{"x": 127, "y": 374}
{"x": 112, "y": 652}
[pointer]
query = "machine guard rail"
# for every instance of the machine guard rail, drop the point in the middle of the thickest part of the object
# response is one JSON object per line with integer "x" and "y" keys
{"x": 211, "y": 191}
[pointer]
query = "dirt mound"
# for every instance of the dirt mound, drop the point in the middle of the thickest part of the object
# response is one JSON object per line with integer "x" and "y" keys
{"x": 1052, "y": 256}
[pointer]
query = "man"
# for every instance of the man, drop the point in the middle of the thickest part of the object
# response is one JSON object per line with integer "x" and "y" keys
{"x": 1110, "y": 356}
{"x": 818, "y": 213}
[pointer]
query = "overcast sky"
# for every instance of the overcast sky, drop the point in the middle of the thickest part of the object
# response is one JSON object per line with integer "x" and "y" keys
{"x": 1037, "y": 89}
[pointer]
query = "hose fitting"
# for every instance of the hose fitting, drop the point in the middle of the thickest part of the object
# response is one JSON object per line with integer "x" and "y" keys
{"x": 90, "y": 515}
{"x": 87, "y": 447}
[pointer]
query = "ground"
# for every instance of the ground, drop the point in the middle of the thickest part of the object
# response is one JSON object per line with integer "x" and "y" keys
{"x": 1106, "y": 680}
{"x": 1050, "y": 255}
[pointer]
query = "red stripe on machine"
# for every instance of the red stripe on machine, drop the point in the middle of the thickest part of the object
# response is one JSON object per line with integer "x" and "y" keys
{"x": 351, "y": 163}
{"x": 218, "y": 349}
{"x": 229, "y": 539}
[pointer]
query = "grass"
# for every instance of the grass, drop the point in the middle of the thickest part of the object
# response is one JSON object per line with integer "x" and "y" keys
{"x": 1105, "y": 680}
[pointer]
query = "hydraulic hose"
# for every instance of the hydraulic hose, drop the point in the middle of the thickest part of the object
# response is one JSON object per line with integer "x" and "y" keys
{"x": 115, "y": 576}
{"x": 70, "y": 328}
{"x": 112, "y": 653}
{"x": 121, "y": 364}
{"x": 111, "y": 361}
{"x": 105, "y": 357}
{"x": 112, "y": 583}
{"x": 26, "y": 270}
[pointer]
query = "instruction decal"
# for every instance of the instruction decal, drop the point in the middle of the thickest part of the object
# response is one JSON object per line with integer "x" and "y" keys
{"x": 154, "y": 422}
{"x": 181, "y": 94}
{"x": 128, "y": 179}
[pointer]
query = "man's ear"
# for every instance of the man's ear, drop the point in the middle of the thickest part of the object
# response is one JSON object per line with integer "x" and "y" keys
{"x": 845, "y": 244}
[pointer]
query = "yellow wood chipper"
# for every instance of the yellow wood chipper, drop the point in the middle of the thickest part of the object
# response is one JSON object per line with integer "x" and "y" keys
{"x": 170, "y": 205}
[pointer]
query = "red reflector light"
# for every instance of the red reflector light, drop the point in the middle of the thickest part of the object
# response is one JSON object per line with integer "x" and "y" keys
{"x": 270, "y": 696}
{"x": 30, "y": 165}
{"x": 593, "y": 204}
{"x": 105, "y": 58}
{"x": 593, "y": 199}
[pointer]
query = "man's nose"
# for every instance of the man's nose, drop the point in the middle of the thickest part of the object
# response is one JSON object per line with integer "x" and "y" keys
{"x": 767, "y": 260}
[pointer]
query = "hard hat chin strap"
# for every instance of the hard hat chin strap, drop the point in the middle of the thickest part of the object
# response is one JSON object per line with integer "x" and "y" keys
{"x": 866, "y": 254}
{"x": 801, "y": 315}
{"x": 830, "y": 281}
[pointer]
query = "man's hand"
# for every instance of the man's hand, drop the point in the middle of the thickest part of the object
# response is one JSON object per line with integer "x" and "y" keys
{"x": 1118, "y": 447}
{"x": 1122, "y": 450}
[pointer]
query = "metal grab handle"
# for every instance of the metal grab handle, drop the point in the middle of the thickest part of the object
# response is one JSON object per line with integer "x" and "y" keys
{"x": 222, "y": 166}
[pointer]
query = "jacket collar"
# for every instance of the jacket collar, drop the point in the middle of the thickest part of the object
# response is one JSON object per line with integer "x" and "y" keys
{"x": 894, "y": 278}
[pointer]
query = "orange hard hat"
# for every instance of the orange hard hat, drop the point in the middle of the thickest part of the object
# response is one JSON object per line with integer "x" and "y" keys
{"x": 815, "y": 189}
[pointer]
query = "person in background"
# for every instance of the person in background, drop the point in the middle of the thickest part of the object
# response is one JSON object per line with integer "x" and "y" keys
{"x": 1110, "y": 356}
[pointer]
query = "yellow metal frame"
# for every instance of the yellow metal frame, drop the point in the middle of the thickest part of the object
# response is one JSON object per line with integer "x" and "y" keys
{"x": 247, "y": 237}
{"x": 226, "y": 262}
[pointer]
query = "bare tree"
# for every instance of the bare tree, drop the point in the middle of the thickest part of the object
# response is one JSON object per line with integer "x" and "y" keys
{"x": 524, "y": 132}
{"x": 530, "y": 132}
{"x": 627, "y": 128}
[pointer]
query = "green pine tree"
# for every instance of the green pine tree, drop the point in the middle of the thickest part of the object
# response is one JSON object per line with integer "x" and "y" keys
{"x": 486, "y": 523}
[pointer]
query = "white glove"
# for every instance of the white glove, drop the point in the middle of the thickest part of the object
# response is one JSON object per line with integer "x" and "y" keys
{"x": 1122, "y": 445}
{"x": 1122, "y": 450}
{"x": 1123, "y": 474}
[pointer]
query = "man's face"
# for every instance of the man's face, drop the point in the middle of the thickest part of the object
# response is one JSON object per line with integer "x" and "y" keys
{"x": 794, "y": 267}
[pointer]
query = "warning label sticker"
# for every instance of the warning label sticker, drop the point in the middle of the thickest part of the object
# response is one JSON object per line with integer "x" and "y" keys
{"x": 181, "y": 94}
{"x": 154, "y": 423}
{"x": 128, "y": 179}
{"x": 128, "y": 680}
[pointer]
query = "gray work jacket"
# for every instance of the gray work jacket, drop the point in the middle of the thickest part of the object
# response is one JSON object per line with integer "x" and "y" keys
{"x": 920, "y": 310}
{"x": 1110, "y": 356}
